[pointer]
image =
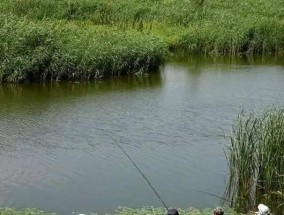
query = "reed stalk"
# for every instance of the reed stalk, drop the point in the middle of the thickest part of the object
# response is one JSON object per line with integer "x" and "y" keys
{"x": 255, "y": 157}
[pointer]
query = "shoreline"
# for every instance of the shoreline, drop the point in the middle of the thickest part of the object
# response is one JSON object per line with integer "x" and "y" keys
{"x": 124, "y": 211}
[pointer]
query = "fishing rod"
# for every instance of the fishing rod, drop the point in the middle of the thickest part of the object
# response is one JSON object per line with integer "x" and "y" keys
{"x": 170, "y": 211}
{"x": 155, "y": 191}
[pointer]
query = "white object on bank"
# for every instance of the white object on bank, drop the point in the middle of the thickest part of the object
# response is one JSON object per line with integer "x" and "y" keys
{"x": 263, "y": 209}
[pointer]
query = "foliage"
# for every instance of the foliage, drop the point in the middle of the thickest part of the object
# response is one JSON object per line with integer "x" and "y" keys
{"x": 63, "y": 37}
{"x": 256, "y": 160}
{"x": 61, "y": 50}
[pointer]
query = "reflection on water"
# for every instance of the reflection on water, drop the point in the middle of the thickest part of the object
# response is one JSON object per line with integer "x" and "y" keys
{"x": 57, "y": 152}
{"x": 25, "y": 94}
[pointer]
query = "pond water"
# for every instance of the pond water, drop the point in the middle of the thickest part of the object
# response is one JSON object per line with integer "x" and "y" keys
{"x": 57, "y": 149}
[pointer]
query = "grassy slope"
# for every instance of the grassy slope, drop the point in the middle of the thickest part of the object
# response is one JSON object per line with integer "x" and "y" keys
{"x": 139, "y": 33}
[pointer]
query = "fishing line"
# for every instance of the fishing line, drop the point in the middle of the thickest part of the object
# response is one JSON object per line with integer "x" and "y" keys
{"x": 211, "y": 194}
{"x": 157, "y": 194}
{"x": 152, "y": 187}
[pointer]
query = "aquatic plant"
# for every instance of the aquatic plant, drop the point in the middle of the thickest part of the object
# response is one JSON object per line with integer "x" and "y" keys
{"x": 256, "y": 160}
{"x": 205, "y": 27}
{"x": 122, "y": 211}
{"x": 67, "y": 39}
{"x": 159, "y": 211}
{"x": 59, "y": 50}
{"x": 28, "y": 211}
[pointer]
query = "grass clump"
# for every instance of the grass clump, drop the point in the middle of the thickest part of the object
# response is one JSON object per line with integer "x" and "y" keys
{"x": 256, "y": 161}
{"x": 32, "y": 50}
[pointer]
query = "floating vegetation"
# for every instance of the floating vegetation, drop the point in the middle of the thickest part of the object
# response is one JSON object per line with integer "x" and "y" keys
{"x": 28, "y": 211}
{"x": 122, "y": 211}
{"x": 256, "y": 161}
{"x": 161, "y": 211}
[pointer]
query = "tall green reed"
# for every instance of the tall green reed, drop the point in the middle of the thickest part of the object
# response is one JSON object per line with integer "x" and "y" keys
{"x": 63, "y": 39}
{"x": 63, "y": 50}
{"x": 255, "y": 157}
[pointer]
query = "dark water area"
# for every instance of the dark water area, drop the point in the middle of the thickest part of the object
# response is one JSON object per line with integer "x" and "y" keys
{"x": 56, "y": 139}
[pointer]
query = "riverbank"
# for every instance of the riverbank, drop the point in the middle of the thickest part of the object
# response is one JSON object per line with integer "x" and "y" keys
{"x": 56, "y": 50}
{"x": 92, "y": 39}
{"x": 122, "y": 211}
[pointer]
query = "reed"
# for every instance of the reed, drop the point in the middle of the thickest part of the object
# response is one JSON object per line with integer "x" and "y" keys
{"x": 63, "y": 50}
{"x": 70, "y": 34}
{"x": 256, "y": 161}
{"x": 205, "y": 27}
